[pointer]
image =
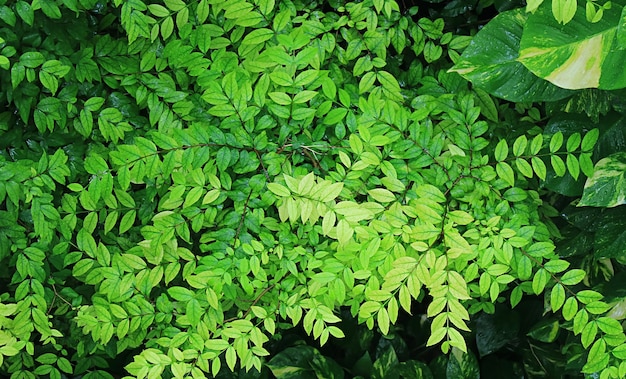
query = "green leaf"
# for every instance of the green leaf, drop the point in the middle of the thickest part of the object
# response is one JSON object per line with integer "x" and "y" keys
{"x": 50, "y": 8}
{"x": 532, "y": 5}
{"x": 279, "y": 189}
{"x": 607, "y": 186}
{"x": 367, "y": 82}
{"x": 590, "y": 139}
{"x": 382, "y": 195}
{"x": 570, "y": 308}
{"x": 460, "y": 217}
{"x": 193, "y": 311}
{"x": 331, "y": 192}
{"x": 556, "y": 142}
{"x": 540, "y": 280}
{"x": 557, "y": 297}
{"x": 5, "y": 63}
{"x": 556, "y": 266}
{"x": 257, "y": 36}
{"x": 506, "y": 173}
{"x": 127, "y": 221}
{"x": 25, "y": 12}
{"x": 335, "y": 115}
{"x": 175, "y": 5}
{"x": 280, "y": 98}
{"x": 546, "y": 330}
{"x": 573, "y": 277}
{"x": 95, "y": 164}
{"x": 32, "y": 59}
{"x": 573, "y": 167}
{"x": 539, "y": 167}
{"x": 536, "y": 144}
{"x": 492, "y": 62}
{"x": 180, "y": 293}
{"x": 304, "y": 96}
{"x": 502, "y": 151}
{"x": 515, "y": 194}
{"x": 573, "y": 142}
{"x": 167, "y": 27}
{"x": 588, "y": 296}
{"x": 519, "y": 146}
{"x": 564, "y": 10}
{"x": 597, "y": 307}
{"x": 158, "y": 10}
{"x": 609, "y": 325}
{"x": 523, "y": 167}
{"x": 558, "y": 165}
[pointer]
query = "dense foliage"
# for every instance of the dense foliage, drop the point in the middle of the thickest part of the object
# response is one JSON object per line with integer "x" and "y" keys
{"x": 191, "y": 189}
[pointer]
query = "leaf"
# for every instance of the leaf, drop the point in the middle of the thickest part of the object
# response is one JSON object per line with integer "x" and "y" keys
{"x": 576, "y": 55}
{"x": 491, "y": 62}
{"x": 167, "y": 27}
{"x": 506, "y": 173}
{"x": 502, "y": 151}
{"x": 563, "y": 10}
{"x": 194, "y": 311}
{"x": 540, "y": 280}
{"x": 519, "y": 146}
{"x": 158, "y": 10}
{"x": 556, "y": 141}
{"x": 279, "y": 189}
{"x": 546, "y": 330}
{"x": 460, "y": 217}
{"x": 558, "y": 165}
{"x": 570, "y": 308}
{"x": 32, "y": 59}
{"x": 175, "y": 5}
{"x": 495, "y": 331}
{"x": 573, "y": 277}
{"x": 557, "y": 297}
{"x": 515, "y": 194}
{"x": 211, "y": 196}
{"x": 607, "y": 186}
{"x": 127, "y": 221}
{"x": 539, "y": 167}
{"x": 258, "y": 36}
{"x": 25, "y": 12}
{"x": 382, "y": 195}
{"x": 293, "y": 363}
{"x": 280, "y": 98}
{"x": 590, "y": 139}
{"x": 609, "y": 325}
{"x": 331, "y": 192}
{"x": 367, "y": 82}
{"x": 556, "y": 266}
{"x": 50, "y": 9}
{"x": 335, "y": 115}
{"x": 540, "y": 249}
{"x": 180, "y": 293}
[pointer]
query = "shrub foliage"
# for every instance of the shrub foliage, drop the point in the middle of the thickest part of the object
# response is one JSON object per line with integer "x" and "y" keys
{"x": 182, "y": 181}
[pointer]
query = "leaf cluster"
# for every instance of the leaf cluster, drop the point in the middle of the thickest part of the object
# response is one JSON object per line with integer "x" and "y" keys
{"x": 182, "y": 182}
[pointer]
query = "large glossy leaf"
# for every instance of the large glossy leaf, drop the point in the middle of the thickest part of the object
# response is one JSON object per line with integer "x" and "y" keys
{"x": 415, "y": 370}
{"x": 491, "y": 62}
{"x": 294, "y": 362}
{"x": 577, "y": 55}
{"x": 607, "y": 186}
{"x": 494, "y": 331}
{"x": 462, "y": 365}
{"x": 610, "y": 240}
